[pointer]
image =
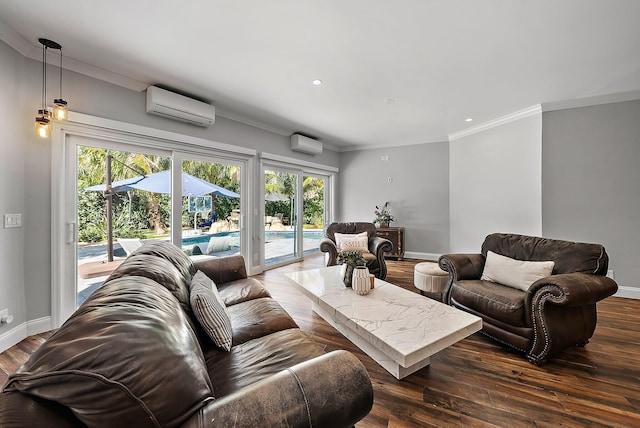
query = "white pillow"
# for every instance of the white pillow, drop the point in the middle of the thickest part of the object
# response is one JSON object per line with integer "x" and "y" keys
{"x": 210, "y": 311}
{"x": 352, "y": 242}
{"x": 514, "y": 273}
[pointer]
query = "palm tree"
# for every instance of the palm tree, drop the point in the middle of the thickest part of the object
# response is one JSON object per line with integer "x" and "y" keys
{"x": 92, "y": 171}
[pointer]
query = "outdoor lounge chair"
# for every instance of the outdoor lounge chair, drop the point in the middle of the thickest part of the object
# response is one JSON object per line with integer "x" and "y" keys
{"x": 129, "y": 245}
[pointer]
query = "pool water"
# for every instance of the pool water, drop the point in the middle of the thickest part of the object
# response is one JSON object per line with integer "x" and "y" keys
{"x": 269, "y": 236}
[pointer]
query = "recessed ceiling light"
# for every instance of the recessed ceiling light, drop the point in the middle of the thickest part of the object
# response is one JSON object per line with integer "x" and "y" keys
{"x": 317, "y": 82}
{"x": 469, "y": 119}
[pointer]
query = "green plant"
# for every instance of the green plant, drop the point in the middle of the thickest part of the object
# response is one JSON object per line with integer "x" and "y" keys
{"x": 383, "y": 214}
{"x": 353, "y": 258}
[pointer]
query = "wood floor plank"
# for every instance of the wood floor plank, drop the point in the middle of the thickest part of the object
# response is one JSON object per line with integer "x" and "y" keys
{"x": 476, "y": 382}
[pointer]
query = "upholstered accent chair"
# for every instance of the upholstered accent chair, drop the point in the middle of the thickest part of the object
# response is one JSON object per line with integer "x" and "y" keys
{"x": 541, "y": 318}
{"x": 373, "y": 253}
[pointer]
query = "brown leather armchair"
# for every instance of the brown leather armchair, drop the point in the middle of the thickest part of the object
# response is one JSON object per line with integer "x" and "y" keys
{"x": 556, "y": 312}
{"x": 377, "y": 245}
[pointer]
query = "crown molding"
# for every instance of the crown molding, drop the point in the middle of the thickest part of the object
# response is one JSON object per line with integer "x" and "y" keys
{"x": 15, "y": 40}
{"x": 592, "y": 101}
{"x": 227, "y": 114}
{"x": 442, "y": 139}
{"x": 29, "y": 50}
{"x": 520, "y": 114}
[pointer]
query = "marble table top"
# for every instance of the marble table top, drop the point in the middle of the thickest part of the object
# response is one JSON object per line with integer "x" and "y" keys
{"x": 404, "y": 325}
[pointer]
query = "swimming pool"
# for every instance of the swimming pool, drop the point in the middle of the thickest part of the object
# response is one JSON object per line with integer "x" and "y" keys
{"x": 268, "y": 235}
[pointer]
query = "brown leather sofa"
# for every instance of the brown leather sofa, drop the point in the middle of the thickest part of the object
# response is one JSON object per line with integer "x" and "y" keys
{"x": 134, "y": 355}
{"x": 556, "y": 312}
{"x": 377, "y": 245}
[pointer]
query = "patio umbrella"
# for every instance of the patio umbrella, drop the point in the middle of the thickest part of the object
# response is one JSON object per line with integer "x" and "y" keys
{"x": 160, "y": 182}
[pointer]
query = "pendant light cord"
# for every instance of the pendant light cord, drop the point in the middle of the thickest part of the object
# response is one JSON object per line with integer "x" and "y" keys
{"x": 44, "y": 77}
{"x": 60, "y": 72}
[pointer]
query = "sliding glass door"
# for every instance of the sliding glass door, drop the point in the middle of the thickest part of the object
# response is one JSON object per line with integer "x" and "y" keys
{"x": 295, "y": 211}
{"x": 281, "y": 227}
{"x": 212, "y": 218}
{"x": 122, "y": 199}
{"x": 123, "y": 196}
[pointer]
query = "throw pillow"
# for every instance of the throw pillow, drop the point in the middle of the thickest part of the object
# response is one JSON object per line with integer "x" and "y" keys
{"x": 210, "y": 311}
{"x": 352, "y": 242}
{"x": 514, "y": 273}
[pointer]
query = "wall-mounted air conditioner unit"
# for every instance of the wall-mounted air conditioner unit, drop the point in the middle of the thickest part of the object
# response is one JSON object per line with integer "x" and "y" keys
{"x": 303, "y": 144}
{"x": 178, "y": 107}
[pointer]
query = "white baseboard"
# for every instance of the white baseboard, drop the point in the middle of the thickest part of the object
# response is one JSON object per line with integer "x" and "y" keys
{"x": 39, "y": 325}
{"x": 628, "y": 292}
{"x": 421, "y": 256}
{"x": 22, "y": 331}
{"x": 13, "y": 336}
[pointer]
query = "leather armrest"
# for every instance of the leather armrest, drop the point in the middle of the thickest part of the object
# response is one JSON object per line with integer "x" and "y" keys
{"x": 379, "y": 245}
{"x": 223, "y": 269}
{"x": 572, "y": 289}
{"x": 328, "y": 246}
{"x": 462, "y": 266}
{"x": 333, "y": 390}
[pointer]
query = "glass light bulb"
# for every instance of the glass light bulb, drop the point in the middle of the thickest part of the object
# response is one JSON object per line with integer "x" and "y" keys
{"x": 60, "y": 112}
{"x": 43, "y": 128}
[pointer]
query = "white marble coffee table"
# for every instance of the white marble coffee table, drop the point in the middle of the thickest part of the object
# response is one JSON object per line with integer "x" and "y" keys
{"x": 399, "y": 329}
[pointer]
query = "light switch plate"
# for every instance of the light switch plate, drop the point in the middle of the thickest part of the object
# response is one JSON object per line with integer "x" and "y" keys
{"x": 12, "y": 220}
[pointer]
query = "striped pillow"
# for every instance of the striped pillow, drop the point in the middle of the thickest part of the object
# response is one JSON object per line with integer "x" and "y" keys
{"x": 210, "y": 311}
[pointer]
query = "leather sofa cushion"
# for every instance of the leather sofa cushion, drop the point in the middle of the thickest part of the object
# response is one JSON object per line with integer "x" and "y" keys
{"x": 257, "y": 318}
{"x": 569, "y": 257}
{"x": 172, "y": 254}
{"x": 158, "y": 270}
{"x": 241, "y": 290}
{"x": 126, "y": 355}
{"x": 498, "y": 301}
{"x": 258, "y": 359}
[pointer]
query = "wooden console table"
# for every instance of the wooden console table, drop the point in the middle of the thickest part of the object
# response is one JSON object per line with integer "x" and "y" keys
{"x": 396, "y": 236}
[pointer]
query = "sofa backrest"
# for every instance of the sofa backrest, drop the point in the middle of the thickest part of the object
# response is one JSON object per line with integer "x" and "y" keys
{"x": 569, "y": 257}
{"x": 127, "y": 354}
{"x": 351, "y": 228}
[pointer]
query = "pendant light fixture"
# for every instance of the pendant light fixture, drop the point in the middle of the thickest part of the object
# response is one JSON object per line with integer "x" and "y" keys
{"x": 43, "y": 120}
{"x": 60, "y": 112}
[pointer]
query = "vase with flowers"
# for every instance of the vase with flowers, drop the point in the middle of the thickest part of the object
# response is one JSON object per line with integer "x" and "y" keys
{"x": 349, "y": 260}
{"x": 383, "y": 215}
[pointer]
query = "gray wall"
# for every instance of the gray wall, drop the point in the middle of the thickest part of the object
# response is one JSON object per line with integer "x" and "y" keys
{"x": 12, "y": 122}
{"x": 495, "y": 182}
{"x": 591, "y": 181}
{"x": 418, "y": 193}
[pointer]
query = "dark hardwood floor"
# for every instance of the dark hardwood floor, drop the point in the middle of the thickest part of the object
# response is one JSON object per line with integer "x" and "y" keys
{"x": 477, "y": 382}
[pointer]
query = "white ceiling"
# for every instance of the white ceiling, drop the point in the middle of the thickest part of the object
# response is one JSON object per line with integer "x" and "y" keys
{"x": 394, "y": 72}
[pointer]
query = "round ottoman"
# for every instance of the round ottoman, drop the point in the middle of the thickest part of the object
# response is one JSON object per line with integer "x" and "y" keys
{"x": 430, "y": 279}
